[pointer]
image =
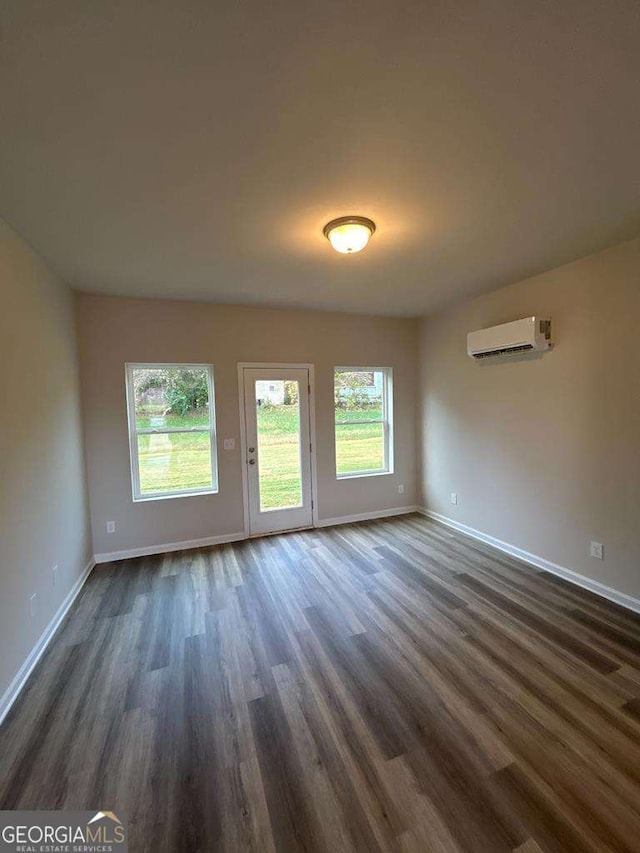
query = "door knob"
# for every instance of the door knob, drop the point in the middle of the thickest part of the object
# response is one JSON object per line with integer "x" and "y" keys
{"x": 252, "y": 462}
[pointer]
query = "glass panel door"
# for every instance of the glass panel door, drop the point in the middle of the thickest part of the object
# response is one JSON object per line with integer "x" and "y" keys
{"x": 278, "y": 449}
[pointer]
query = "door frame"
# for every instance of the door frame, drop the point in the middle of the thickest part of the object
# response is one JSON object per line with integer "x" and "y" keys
{"x": 259, "y": 365}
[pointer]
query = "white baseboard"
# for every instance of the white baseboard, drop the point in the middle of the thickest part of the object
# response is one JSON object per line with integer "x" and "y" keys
{"x": 365, "y": 516}
{"x": 149, "y": 550}
{"x": 13, "y": 690}
{"x": 621, "y": 598}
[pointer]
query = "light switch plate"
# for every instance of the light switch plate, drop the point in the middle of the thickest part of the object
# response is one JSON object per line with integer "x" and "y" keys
{"x": 229, "y": 444}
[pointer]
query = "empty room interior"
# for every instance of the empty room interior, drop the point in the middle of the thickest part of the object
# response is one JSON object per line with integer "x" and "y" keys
{"x": 320, "y": 428}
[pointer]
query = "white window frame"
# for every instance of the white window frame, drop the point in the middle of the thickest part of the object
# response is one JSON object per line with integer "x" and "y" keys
{"x": 134, "y": 432}
{"x": 386, "y": 420}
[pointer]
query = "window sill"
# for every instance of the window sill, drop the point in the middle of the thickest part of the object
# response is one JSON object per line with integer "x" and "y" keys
{"x": 359, "y": 476}
{"x": 173, "y": 495}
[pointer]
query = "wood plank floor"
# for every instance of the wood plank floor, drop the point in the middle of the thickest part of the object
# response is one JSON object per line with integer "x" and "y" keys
{"x": 387, "y": 686}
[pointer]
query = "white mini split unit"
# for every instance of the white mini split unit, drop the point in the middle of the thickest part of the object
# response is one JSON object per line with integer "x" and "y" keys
{"x": 531, "y": 334}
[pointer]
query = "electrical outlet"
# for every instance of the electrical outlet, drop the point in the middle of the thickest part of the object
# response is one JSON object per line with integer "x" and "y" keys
{"x": 32, "y": 605}
{"x": 597, "y": 550}
{"x": 54, "y": 572}
{"x": 401, "y": 489}
{"x": 111, "y": 527}
{"x": 454, "y": 497}
{"x": 229, "y": 444}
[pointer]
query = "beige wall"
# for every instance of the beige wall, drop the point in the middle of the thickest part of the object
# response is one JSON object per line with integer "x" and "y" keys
{"x": 115, "y": 330}
{"x": 43, "y": 507}
{"x": 544, "y": 454}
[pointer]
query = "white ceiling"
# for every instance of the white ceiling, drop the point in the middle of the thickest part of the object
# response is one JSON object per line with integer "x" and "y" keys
{"x": 195, "y": 149}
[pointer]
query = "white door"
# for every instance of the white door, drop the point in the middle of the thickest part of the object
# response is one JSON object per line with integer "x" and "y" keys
{"x": 278, "y": 448}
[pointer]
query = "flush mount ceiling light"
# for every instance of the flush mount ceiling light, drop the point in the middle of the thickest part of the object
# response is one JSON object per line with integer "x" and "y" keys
{"x": 349, "y": 234}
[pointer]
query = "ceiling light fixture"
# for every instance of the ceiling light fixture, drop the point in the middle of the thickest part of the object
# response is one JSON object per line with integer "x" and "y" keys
{"x": 349, "y": 234}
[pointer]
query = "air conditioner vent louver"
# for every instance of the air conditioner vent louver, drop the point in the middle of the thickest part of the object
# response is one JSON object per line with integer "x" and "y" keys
{"x": 504, "y": 351}
{"x": 531, "y": 334}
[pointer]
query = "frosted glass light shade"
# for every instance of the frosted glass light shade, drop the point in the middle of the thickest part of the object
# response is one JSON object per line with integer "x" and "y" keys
{"x": 349, "y": 234}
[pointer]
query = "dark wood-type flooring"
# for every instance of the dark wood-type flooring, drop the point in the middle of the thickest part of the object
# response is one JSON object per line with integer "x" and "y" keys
{"x": 386, "y": 686}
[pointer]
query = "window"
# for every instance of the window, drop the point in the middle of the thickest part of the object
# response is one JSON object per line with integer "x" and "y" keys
{"x": 363, "y": 419}
{"x": 171, "y": 430}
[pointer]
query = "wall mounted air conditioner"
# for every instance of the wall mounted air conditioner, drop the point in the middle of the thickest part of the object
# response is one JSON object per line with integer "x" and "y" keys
{"x": 531, "y": 334}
